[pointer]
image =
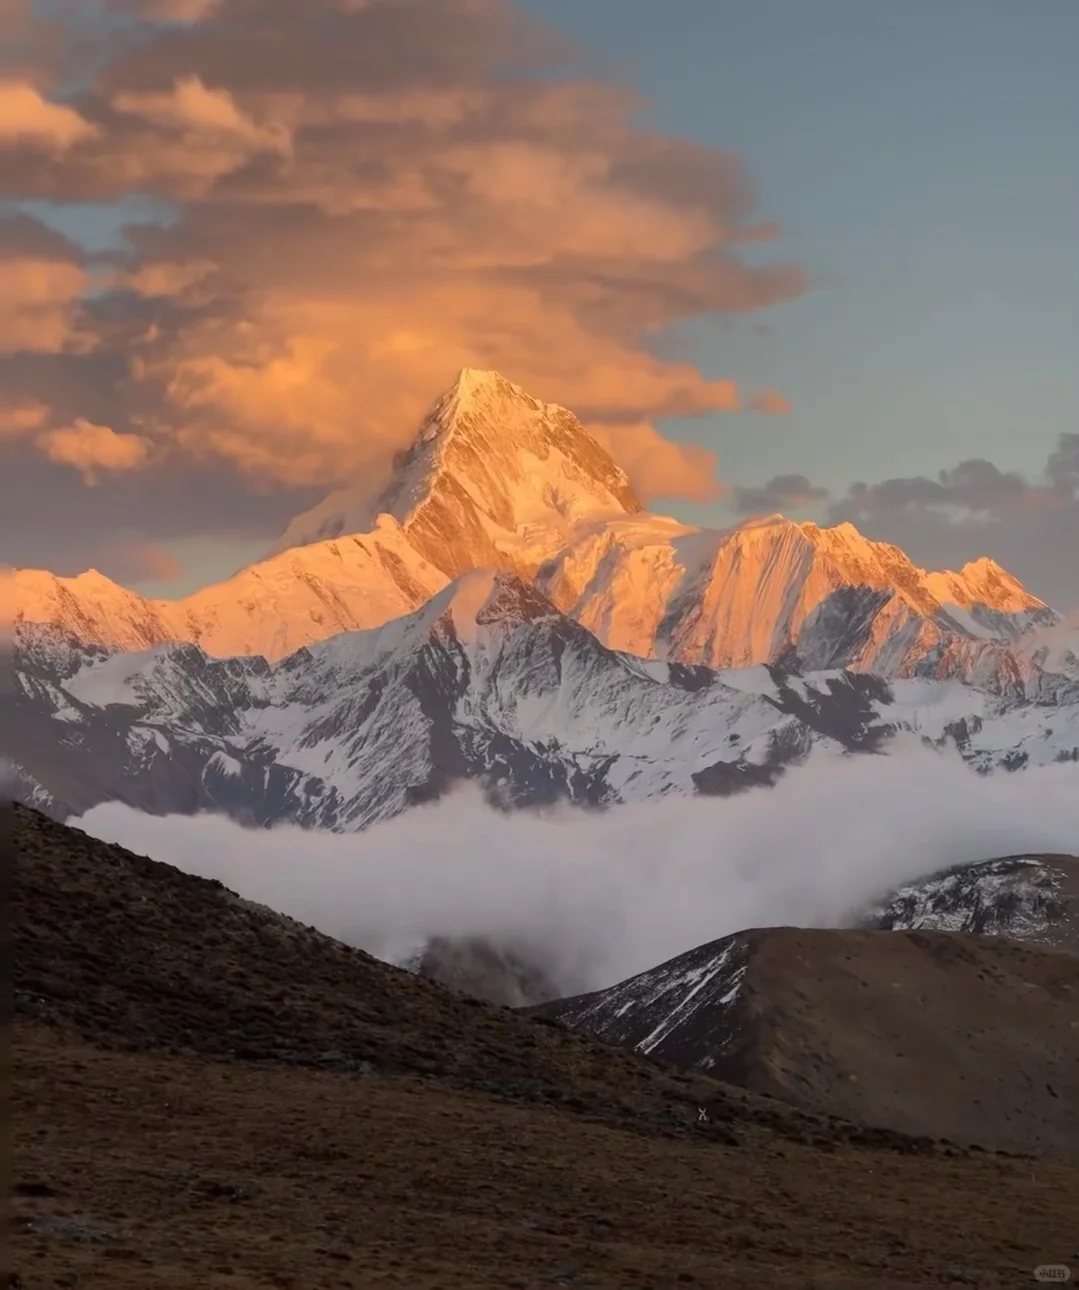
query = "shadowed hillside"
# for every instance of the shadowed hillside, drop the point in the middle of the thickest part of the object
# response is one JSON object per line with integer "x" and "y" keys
{"x": 973, "y": 1038}
{"x": 208, "y": 1094}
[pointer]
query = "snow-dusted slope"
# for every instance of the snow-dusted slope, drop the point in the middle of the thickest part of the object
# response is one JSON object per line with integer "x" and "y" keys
{"x": 1027, "y": 898}
{"x": 683, "y": 1006}
{"x": 1052, "y": 650}
{"x": 767, "y": 587}
{"x": 496, "y": 479}
{"x": 692, "y": 1011}
{"x": 486, "y": 681}
{"x": 270, "y": 608}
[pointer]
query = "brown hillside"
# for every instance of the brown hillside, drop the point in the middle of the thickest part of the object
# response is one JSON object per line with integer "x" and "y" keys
{"x": 209, "y": 1095}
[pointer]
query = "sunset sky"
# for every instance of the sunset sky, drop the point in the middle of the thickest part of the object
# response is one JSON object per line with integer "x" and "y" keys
{"x": 813, "y": 257}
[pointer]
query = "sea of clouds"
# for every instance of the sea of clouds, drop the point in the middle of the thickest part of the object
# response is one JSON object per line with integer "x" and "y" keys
{"x": 593, "y": 897}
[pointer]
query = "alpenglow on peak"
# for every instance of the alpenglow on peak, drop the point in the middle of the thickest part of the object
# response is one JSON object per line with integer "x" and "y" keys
{"x": 493, "y": 474}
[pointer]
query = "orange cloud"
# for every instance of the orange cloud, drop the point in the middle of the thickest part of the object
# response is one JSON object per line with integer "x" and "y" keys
{"x": 126, "y": 557}
{"x": 770, "y": 401}
{"x": 339, "y": 252}
{"x": 191, "y": 108}
{"x": 91, "y": 449}
{"x": 27, "y": 118}
{"x": 20, "y": 417}
{"x": 179, "y": 11}
{"x": 147, "y": 561}
{"x": 659, "y": 468}
{"x": 163, "y": 277}
{"x": 767, "y": 231}
{"x": 39, "y": 305}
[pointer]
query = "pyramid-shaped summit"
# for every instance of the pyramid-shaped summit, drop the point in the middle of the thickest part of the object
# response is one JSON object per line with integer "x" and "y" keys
{"x": 493, "y": 478}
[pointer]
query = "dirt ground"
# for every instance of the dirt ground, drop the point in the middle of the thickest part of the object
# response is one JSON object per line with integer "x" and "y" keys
{"x": 205, "y": 1095}
{"x": 147, "y": 1170}
{"x": 974, "y": 1038}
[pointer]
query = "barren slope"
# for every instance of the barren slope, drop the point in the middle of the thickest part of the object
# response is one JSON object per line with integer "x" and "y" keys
{"x": 972, "y": 1038}
{"x": 207, "y": 1094}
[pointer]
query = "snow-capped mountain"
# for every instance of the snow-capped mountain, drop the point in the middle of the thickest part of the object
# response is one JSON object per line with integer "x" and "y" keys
{"x": 768, "y": 587}
{"x": 695, "y": 1010}
{"x": 487, "y": 681}
{"x": 496, "y": 479}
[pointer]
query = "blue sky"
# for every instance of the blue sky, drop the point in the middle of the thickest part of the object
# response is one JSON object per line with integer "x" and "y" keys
{"x": 921, "y": 157}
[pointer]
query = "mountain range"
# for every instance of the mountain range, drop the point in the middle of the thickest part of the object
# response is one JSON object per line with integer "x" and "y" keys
{"x": 506, "y": 611}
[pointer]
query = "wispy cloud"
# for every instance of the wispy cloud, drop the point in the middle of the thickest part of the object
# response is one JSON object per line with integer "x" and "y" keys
{"x": 770, "y": 401}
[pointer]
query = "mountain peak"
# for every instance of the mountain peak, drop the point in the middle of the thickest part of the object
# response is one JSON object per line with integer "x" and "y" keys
{"x": 983, "y": 581}
{"x": 985, "y": 567}
{"x": 473, "y": 391}
{"x": 494, "y": 477}
{"x": 487, "y": 596}
{"x": 473, "y": 382}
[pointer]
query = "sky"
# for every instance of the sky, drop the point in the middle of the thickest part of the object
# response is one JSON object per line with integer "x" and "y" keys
{"x": 822, "y": 259}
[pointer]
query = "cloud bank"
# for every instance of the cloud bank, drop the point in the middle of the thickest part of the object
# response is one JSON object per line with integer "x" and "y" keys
{"x": 361, "y": 198}
{"x": 594, "y": 898}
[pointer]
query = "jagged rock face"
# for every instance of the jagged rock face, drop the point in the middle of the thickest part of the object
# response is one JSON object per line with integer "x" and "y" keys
{"x": 488, "y": 683}
{"x": 491, "y": 461}
{"x": 498, "y": 480}
{"x": 1027, "y": 898}
{"x": 490, "y": 464}
{"x": 768, "y": 587}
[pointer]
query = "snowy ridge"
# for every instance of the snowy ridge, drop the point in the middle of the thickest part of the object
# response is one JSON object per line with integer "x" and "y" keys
{"x": 487, "y": 681}
{"x": 497, "y": 479}
{"x": 271, "y": 608}
{"x": 1028, "y": 898}
{"x": 742, "y": 596}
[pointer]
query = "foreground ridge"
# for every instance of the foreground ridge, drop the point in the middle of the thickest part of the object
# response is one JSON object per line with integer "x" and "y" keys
{"x": 170, "y": 1034}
